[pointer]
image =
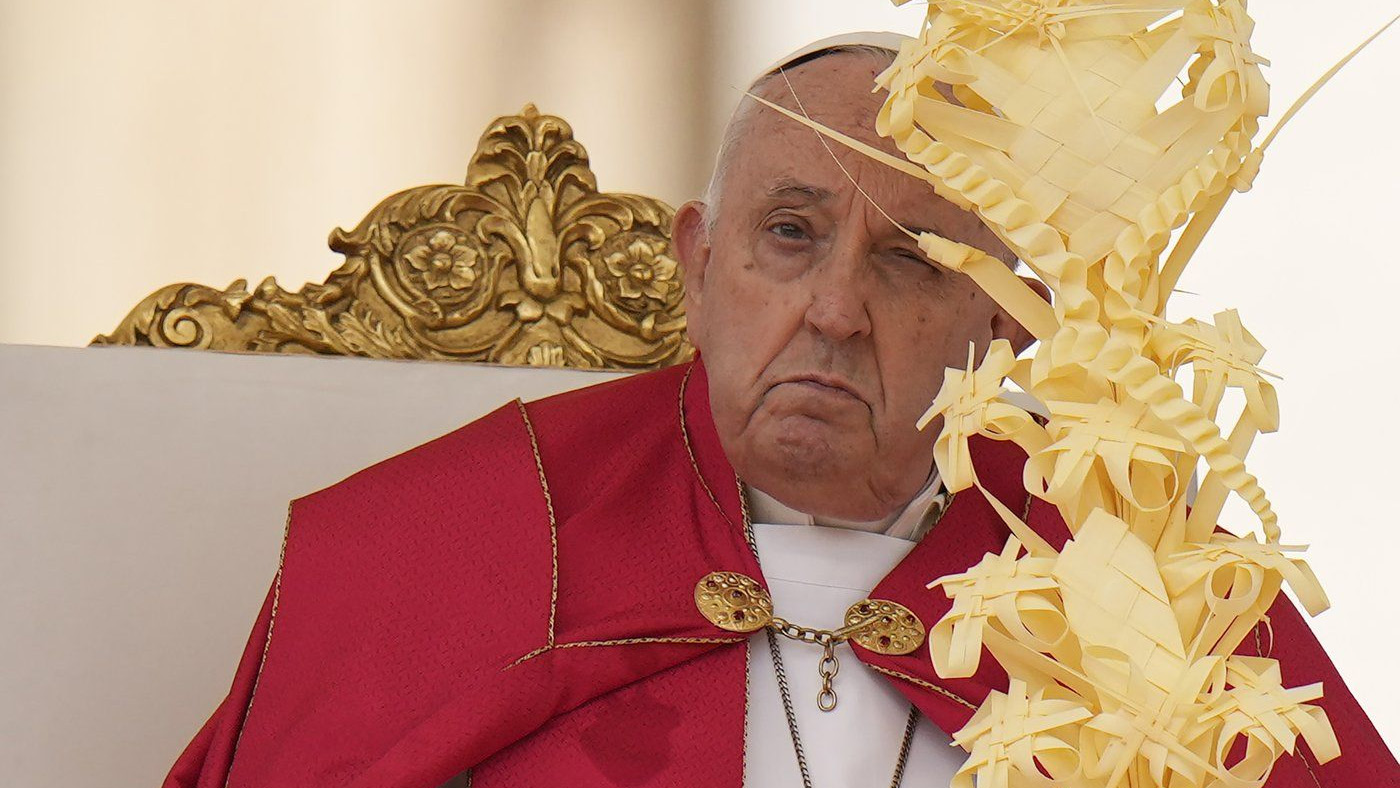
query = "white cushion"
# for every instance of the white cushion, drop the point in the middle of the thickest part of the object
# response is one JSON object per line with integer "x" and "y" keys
{"x": 143, "y": 494}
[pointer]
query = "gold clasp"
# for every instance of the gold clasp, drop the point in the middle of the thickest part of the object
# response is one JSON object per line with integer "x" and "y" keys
{"x": 876, "y": 624}
{"x": 884, "y": 627}
{"x": 737, "y": 603}
{"x": 733, "y": 602}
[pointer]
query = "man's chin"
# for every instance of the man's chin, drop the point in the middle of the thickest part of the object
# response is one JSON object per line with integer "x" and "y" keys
{"x": 811, "y": 445}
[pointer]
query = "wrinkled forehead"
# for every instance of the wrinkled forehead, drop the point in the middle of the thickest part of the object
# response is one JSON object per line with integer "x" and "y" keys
{"x": 834, "y": 89}
{"x": 774, "y": 159}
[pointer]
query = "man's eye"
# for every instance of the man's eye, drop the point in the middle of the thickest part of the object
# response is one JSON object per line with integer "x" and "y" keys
{"x": 788, "y": 230}
{"x": 906, "y": 256}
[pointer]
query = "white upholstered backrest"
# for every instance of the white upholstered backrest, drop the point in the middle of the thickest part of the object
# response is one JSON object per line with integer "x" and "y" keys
{"x": 143, "y": 495}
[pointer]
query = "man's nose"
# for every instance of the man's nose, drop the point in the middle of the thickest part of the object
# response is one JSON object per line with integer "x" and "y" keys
{"x": 839, "y": 308}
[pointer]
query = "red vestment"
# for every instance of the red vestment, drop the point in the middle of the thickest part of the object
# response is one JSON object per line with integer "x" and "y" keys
{"x": 474, "y": 605}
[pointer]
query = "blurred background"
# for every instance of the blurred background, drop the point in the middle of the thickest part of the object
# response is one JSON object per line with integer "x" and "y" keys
{"x": 145, "y": 143}
{"x": 150, "y": 142}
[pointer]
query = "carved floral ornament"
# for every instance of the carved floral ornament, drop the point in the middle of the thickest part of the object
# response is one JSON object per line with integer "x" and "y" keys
{"x": 526, "y": 263}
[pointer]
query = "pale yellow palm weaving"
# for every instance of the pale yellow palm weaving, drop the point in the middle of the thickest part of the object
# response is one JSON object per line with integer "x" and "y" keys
{"x": 1063, "y": 139}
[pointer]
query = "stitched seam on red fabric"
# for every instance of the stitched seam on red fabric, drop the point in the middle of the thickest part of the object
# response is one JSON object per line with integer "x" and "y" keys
{"x": 926, "y": 685}
{"x": 267, "y": 642}
{"x": 553, "y": 525}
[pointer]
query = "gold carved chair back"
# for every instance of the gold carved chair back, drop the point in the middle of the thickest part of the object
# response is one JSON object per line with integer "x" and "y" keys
{"x": 527, "y": 263}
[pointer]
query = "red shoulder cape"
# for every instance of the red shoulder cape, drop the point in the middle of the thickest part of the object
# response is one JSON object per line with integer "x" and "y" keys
{"x": 493, "y": 600}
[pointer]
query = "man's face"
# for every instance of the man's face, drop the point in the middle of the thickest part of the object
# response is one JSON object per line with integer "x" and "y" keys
{"x": 824, "y": 330}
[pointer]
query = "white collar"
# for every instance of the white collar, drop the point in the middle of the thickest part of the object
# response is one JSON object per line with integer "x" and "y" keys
{"x": 909, "y": 523}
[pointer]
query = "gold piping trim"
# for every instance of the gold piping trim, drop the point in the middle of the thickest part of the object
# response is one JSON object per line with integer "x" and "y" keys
{"x": 267, "y": 641}
{"x": 551, "y": 644}
{"x": 635, "y": 641}
{"x": 619, "y": 642}
{"x": 695, "y": 465}
{"x": 925, "y": 684}
{"x": 527, "y": 657}
{"x": 1304, "y": 758}
{"x": 748, "y": 692}
{"x": 748, "y": 537}
{"x": 553, "y": 525}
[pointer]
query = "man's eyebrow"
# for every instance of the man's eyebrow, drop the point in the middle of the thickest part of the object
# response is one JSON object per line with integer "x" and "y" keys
{"x": 790, "y": 188}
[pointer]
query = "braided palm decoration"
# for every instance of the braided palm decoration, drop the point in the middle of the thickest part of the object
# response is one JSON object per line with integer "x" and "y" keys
{"x": 1060, "y": 134}
{"x": 1120, "y": 645}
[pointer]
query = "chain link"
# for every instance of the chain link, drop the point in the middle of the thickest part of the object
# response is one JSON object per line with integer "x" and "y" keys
{"x": 904, "y": 746}
{"x": 793, "y": 631}
{"x": 828, "y": 666}
{"x": 784, "y": 691}
{"x": 789, "y": 711}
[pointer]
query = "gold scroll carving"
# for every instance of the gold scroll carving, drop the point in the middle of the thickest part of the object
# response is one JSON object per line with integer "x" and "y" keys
{"x": 526, "y": 264}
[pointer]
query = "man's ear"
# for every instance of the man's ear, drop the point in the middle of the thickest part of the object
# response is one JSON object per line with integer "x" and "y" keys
{"x": 1005, "y": 327}
{"x": 690, "y": 241}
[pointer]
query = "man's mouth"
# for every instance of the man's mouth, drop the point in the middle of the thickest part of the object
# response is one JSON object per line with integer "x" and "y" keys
{"x": 827, "y": 385}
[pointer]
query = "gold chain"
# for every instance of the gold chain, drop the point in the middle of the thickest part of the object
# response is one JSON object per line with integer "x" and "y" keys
{"x": 829, "y": 664}
{"x": 826, "y": 697}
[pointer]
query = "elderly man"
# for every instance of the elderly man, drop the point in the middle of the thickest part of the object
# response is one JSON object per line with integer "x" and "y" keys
{"x": 576, "y": 591}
